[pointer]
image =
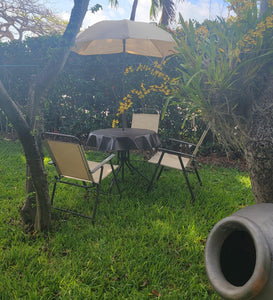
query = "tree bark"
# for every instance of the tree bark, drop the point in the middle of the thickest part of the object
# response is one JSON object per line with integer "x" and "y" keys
{"x": 168, "y": 12}
{"x": 263, "y": 8}
{"x": 41, "y": 216}
{"x": 259, "y": 147}
{"x": 133, "y": 12}
{"x": 260, "y": 165}
{"x": 28, "y": 211}
{"x": 34, "y": 161}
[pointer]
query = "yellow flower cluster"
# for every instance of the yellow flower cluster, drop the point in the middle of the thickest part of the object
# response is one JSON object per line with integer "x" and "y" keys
{"x": 128, "y": 70}
{"x": 202, "y": 33}
{"x": 240, "y": 6}
{"x": 269, "y": 21}
{"x": 114, "y": 123}
{"x": 143, "y": 91}
{"x": 143, "y": 68}
{"x": 123, "y": 106}
{"x": 251, "y": 39}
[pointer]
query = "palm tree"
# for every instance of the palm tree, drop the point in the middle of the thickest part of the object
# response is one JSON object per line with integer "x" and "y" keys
{"x": 133, "y": 12}
{"x": 115, "y": 3}
{"x": 166, "y": 7}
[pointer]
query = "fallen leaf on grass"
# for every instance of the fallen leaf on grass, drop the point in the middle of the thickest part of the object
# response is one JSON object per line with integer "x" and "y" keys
{"x": 156, "y": 293}
{"x": 145, "y": 282}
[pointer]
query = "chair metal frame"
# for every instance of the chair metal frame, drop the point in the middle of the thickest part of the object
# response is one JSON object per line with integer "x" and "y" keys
{"x": 90, "y": 177}
{"x": 163, "y": 156}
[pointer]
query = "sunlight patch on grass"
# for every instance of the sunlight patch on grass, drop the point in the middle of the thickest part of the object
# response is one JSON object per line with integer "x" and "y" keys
{"x": 47, "y": 160}
{"x": 245, "y": 180}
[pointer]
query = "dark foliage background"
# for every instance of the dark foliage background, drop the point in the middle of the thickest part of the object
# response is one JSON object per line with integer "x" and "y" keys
{"x": 87, "y": 94}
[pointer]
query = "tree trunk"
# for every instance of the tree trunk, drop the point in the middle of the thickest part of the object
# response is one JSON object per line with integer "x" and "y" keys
{"x": 27, "y": 130}
{"x": 263, "y": 8}
{"x": 34, "y": 161}
{"x": 260, "y": 166}
{"x": 259, "y": 147}
{"x": 168, "y": 12}
{"x": 133, "y": 12}
{"x": 37, "y": 207}
{"x": 28, "y": 211}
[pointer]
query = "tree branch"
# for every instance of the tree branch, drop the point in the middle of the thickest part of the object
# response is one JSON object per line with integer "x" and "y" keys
{"x": 55, "y": 65}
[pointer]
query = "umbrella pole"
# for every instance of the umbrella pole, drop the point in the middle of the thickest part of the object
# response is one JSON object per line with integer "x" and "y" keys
{"x": 124, "y": 122}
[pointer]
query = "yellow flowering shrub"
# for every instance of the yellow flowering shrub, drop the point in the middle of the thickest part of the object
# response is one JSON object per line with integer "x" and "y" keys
{"x": 240, "y": 7}
{"x": 255, "y": 36}
{"x": 156, "y": 72}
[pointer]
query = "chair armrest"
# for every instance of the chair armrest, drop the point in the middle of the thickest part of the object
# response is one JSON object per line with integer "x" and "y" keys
{"x": 164, "y": 150}
{"x": 182, "y": 142}
{"x": 102, "y": 163}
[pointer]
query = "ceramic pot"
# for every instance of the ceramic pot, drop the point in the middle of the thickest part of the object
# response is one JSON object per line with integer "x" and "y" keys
{"x": 238, "y": 254}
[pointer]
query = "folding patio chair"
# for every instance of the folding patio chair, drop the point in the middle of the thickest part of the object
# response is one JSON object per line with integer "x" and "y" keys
{"x": 176, "y": 159}
{"x": 146, "y": 120}
{"x": 68, "y": 157}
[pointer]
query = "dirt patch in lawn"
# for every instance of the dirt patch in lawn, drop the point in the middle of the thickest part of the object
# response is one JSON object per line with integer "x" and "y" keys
{"x": 223, "y": 161}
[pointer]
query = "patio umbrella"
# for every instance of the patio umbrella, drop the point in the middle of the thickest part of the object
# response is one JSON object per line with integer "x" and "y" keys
{"x": 125, "y": 36}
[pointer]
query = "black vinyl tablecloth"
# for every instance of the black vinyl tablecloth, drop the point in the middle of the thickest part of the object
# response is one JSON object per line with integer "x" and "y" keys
{"x": 123, "y": 139}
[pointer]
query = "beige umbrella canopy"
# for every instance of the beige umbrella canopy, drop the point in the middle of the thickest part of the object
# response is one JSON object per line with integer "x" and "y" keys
{"x": 125, "y": 36}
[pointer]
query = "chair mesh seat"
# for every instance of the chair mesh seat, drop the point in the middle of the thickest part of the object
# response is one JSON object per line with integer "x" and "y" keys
{"x": 169, "y": 160}
{"x": 145, "y": 121}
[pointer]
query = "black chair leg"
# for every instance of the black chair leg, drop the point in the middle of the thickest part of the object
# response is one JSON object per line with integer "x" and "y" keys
{"x": 53, "y": 192}
{"x": 96, "y": 204}
{"x": 189, "y": 185}
{"x": 198, "y": 177}
{"x": 115, "y": 180}
{"x": 160, "y": 172}
{"x": 196, "y": 172}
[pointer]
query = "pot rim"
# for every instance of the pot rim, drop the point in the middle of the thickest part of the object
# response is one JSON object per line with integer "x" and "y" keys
{"x": 260, "y": 275}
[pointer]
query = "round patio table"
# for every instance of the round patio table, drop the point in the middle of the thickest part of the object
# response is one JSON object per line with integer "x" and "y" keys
{"x": 123, "y": 140}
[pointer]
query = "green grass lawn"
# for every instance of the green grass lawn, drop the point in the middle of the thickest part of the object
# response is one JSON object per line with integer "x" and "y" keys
{"x": 144, "y": 246}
